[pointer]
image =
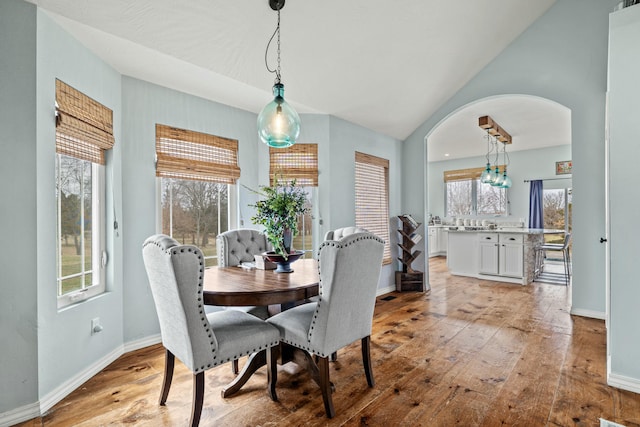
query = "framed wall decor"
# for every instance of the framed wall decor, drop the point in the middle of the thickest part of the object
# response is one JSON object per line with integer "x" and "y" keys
{"x": 563, "y": 168}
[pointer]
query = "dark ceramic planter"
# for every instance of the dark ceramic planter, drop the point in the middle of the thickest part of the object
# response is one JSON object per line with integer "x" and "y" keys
{"x": 284, "y": 265}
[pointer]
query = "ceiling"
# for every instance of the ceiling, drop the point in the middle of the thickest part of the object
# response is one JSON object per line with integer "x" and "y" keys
{"x": 383, "y": 65}
{"x": 532, "y": 123}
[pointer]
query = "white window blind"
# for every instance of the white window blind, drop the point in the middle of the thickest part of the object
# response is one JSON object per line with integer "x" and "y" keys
{"x": 372, "y": 197}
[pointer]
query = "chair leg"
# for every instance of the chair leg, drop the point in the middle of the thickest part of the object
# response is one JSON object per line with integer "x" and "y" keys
{"x": 169, "y": 362}
{"x": 366, "y": 360}
{"x": 198, "y": 399}
{"x": 272, "y": 371}
{"x": 325, "y": 386}
{"x": 334, "y": 356}
{"x": 234, "y": 367}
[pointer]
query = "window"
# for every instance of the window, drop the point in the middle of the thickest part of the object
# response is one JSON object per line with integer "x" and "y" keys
{"x": 557, "y": 207}
{"x": 299, "y": 162}
{"x": 197, "y": 175}
{"x": 372, "y": 198}
{"x": 466, "y": 195}
{"x": 84, "y": 131}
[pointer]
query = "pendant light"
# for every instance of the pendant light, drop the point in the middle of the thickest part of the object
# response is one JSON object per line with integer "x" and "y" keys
{"x": 495, "y": 178}
{"x": 278, "y": 122}
{"x": 505, "y": 181}
{"x": 486, "y": 176}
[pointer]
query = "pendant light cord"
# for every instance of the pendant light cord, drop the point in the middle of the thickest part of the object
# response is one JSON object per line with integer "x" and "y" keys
{"x": 266, "y": 52}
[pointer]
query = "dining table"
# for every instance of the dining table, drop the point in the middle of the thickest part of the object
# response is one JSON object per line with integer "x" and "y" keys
{"x": 250, "y": 286}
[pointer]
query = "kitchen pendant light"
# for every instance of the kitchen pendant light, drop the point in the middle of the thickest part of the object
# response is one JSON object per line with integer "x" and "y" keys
{"x": 505, "y": 181}
{"x": 495, "y": 178}
{"x": 278, "y": 122}
{"x": 486, "y": 176}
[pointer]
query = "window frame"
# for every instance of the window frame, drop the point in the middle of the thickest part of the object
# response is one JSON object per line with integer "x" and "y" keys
{"x": 98, "y": 249}
{"x": 232, "y": 208}
{"x": 473, "y": 176}
{"x": 83, "y": 131}
{"x": 185, "y": 154}
{"x": 299, "y": 162}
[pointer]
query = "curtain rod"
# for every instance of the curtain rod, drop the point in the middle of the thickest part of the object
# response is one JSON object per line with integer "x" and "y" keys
{"x": 547, "y": 179}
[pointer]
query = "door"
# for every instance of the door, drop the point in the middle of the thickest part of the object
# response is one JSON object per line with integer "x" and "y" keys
{"x": 511, "y": 263}
{"x": 488, "y": 254}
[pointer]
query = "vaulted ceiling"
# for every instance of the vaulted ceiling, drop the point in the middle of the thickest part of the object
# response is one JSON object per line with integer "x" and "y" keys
{"x": 383, "y": 65}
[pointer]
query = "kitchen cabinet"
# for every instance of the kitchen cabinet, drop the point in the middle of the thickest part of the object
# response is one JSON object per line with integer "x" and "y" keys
{"x": 493, "y": 255}
{"x": 489, "y": 253}
{"x": 437, "y": 241}
{"x": 501, "y": 254}
{"x": 510, "y": 256}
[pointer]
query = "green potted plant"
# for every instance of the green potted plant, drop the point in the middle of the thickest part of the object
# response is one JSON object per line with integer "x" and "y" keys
{"x": 278, "y": 212}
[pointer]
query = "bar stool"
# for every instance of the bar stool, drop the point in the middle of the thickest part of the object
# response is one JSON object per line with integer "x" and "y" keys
{"x": 566, "y": 257}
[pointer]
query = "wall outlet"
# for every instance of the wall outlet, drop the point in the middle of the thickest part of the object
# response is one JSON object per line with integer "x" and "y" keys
{"x": 95, "y": 325}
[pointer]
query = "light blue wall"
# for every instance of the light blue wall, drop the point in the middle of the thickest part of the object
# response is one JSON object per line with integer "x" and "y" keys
{"x": 143, "y": 105}
{"x": 347, "y": 138}
{"x": 526, "y": 164}
{"x": 18, "y": 307}
{"x": 66, "y": 346}
{"x": 562, "y": 57}
{"x": 624, "y": 129}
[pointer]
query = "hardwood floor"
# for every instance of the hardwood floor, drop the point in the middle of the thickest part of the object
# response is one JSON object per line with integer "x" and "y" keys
{"x": 469, "y": 353}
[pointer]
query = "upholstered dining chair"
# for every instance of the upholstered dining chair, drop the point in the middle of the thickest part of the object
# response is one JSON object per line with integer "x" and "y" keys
{"x": 235, "y": 247}
{"x": 200, "y": 340}
{"x": 349, "y": 274}
{"x": 339, "y": 233}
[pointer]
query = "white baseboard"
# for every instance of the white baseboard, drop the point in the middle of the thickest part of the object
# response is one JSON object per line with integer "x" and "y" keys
{"x": 623, "y": 382}
{"x": 63, "y": 390}
{"x": 33, "y": 410}
{"x": 142, "y": 343}
{"x": 21, "y": 414}
{"x": 588, "y": 313}
{"x": 382, "y": 291}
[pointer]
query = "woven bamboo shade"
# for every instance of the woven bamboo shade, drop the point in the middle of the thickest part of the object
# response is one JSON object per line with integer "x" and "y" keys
{"x": 185, "y": 154}
{"x": 465, "y": 174}
{"x": 372, "y": 198}
{"x": 85, "y": 127}
{"x": 299, "y": 162}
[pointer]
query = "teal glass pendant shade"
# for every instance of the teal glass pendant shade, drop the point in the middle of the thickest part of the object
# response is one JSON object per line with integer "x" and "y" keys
{"x": 506, "y": 181}
{"x": 278, "y": 123}
{"x": 486, "y": 177}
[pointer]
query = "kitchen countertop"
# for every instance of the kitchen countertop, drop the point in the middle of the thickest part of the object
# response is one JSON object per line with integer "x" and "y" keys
{"x": 516, "y": 230}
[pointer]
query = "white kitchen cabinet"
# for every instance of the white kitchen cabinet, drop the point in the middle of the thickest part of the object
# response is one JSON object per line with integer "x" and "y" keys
{"x": 501, "y": 254}
{"x": 511, "y": 255}
{"x": 488, "y": 253}
{"x": 434, "y": 243}
{"x": 437, "y": 241}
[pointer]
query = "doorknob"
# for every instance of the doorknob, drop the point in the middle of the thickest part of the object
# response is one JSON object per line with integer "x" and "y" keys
{"x": 602, "y": 240}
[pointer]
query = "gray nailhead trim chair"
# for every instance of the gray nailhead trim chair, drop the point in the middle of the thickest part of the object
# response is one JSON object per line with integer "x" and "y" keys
{"x": 339, "y": 233}
{"x": 235, "y": 247}
{"x": 349, "y": 273}
{"x": 200, "y": 340}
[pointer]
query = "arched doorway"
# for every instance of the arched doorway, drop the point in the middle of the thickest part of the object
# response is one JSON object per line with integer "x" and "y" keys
{"x": 541, "y": 131}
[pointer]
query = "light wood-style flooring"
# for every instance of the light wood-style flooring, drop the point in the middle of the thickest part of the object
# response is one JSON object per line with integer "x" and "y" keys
{"x": 468, "y": 353}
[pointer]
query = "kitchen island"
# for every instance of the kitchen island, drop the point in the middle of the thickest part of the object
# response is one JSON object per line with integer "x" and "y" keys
{"x": 505, "y": 255}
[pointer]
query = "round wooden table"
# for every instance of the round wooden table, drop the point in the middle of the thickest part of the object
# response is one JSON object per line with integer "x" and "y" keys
{"x": 236, "y": 286}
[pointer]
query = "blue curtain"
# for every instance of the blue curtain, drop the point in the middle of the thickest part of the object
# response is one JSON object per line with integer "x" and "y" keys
{"x": 535, "y": 204}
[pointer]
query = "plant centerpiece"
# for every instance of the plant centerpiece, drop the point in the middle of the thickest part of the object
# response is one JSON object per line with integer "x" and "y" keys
{"x": 278, "y": 212}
